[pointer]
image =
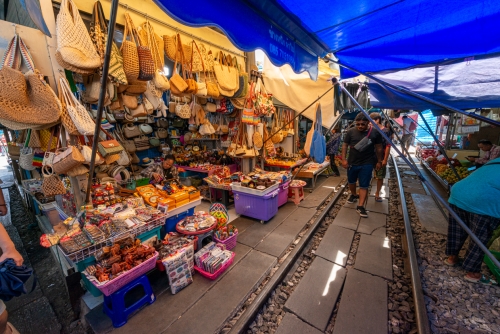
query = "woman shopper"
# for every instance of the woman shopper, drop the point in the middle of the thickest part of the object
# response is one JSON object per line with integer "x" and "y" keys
{"x": 9, "y": 251}
{"x": 332, "y": 149}
{"x": 365, "y": 153}
{"x": 475, "y": 200}
{"x": 380, "y": 174}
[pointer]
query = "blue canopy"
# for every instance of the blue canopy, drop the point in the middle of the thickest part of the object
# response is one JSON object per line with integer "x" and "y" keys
{"x": 371, "y": 36}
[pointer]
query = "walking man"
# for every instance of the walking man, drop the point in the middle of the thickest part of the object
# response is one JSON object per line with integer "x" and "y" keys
{"x": 365, "y": 151}
{"x": 408, "y": 129}
{"x": 380, "y": 174}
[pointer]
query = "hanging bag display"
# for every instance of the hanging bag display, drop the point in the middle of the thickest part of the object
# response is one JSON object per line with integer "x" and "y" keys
{"x": 26, "y": 155}
{"x": 66, "y": 120}
{"x": 268, "y": 144}
{"x": 177, "y": 83}
{"x": 129, "y": 53}
{"x": 248, "y": 115}
{"x": 277, "y": 136}
{"x": 25, "y": 98}
{"x": 263, "y": 101}
{"x": 67, "y": 158}
{"x": 141, "y": 143}
{"x": 130, "y": 130}
{"x": 147, "y": 67}
{"x": 76, "y": 110}
{"x": 147, "y": 37}
{"x": 52, "y": 184}
{"x": 226, "y": 78}
{"x": 74, "y": 45}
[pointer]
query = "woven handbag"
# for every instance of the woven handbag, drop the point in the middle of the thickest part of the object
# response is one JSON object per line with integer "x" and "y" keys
{"x": 183, "y": 110}
{"x": 171, "y": 47}
{"x": 74, "y": 44}
{"x": 154, "y": 141}
{"x": 141, "y": 143}
{"x": 25, "y": 98}
{"x": 162, "y": 123}
{"x": 26, "y": 155}
{"x": 146, "y": 129}
{"x": 147, "y": 37}
{"x": 277, "y": 136}
{"x": 67, "y": 159}
{"x": 109, "y": 147}
{"x": 112, "y": 158}
{"x": 225, "y": 75}
{"x": 161, "y": 81}
{"x": 140, "y": 111}
{"x": 78, "y": 170}
{"x": 34, "y": 140}
{"x": 161, "y": 133}
{"x": 263, "y": 101}
{"x": 66, "y": 120}
{"x": 177, "y": 83}
{"x": 52, "y": 184}
{"x": 268, "y": 144}
{"x": 129, "y": 52}
{"x": 130, "y": 130}
{"x": 129, "y": 101}
{"x": 76, "y": 111}
{"x": 136, "y": 87}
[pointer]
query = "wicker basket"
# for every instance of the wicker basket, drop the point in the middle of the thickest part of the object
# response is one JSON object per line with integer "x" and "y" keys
{"x": 115, "y": 284}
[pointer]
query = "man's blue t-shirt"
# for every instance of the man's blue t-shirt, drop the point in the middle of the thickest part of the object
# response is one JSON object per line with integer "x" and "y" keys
{"x": 479, "y": 192}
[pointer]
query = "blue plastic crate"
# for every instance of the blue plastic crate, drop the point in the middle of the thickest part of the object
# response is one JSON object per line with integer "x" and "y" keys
{"x": 171, "y": 222}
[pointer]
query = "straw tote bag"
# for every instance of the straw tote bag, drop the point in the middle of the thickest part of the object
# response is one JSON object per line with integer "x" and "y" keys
{"x": 129, "y": 53}
{"x": 66, "y": 120}
{"x": 25, "y": 98}
{"x": 147, "y": 37}
{"x": 67, "y": 159}
{"x": 76, "y": 111}
{"x": 225, "y": 75}
{"x": 27, "y": 154}
{"x": 52, "y": 184}
{"x": 177, "y": 83}
{"x": 99, "y": 35}
{"x": 74, "y": 45}
{"x": 171, "y": 45}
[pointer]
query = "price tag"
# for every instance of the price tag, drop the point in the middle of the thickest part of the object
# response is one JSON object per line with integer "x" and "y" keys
{"x": 454, "y": 156}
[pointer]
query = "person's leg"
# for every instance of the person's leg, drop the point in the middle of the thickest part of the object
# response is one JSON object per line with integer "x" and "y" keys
{"x": 379, "y": 175}
{"x": 333, "y": 166}
{"x": 482, "y": 226}
{"x": 4, "y": 328}
{"x": 352, "y": 178}
{"x": 456, "y": 235}
{"x": 365, "y": 176}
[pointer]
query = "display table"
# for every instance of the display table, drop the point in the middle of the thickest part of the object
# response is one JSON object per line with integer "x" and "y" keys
{"x": 232, "y": 168}
{"x": 225, "y": 191}
{"x": 286, "y": 167}
{"x": 312, "y": 170}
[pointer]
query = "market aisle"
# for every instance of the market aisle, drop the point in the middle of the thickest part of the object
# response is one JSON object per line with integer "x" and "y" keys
{"x": 204, "y": 306}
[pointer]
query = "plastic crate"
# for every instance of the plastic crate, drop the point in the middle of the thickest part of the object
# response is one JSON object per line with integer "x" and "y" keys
{"x": 494, "y": 269}
{"x": 115, "y": 284}
{"x": 283, "y": 194}
{"x": 258, "y": 207}
{"x": 171, "y": 222}
{"x": 142, "y": 182}
{"x": 219, "y": 272}
{"x": 149, "y": 234}
{"x": 81, "y": 266}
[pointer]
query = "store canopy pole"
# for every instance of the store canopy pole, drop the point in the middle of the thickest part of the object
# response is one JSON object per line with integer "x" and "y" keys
{"x": 102, "y": 94}
{"x": 441, "y": 148}
{"x": 296, "y": 116}
{"x": 441, "y": 200}
{"x": 418, "y": 96}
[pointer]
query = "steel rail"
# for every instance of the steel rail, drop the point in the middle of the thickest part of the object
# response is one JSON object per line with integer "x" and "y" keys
{"x": 418, "y": 297}
{"x": 253, "y": 309}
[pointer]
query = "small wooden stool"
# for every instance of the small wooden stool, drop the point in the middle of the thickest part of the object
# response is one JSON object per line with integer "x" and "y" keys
{"x": 296, "y": 191}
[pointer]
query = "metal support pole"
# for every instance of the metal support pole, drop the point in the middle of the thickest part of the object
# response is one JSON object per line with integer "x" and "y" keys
{"x": 418, "y": 96}
{"x": 102, "y": 94}
{"x": 441, "y": 148}
{"x": 443, "y": 202}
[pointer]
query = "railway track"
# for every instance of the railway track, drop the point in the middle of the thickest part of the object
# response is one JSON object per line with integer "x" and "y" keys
{"x": 326, "y": 283}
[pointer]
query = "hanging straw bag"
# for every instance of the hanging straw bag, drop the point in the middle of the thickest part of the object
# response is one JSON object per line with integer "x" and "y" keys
{"x": 225, "y": 75}
{"x": 277, "y": 135}
{"x": 74, "y": 45}
{"x": 147, "y": 67}
{"x": 67, "y": 159}
{"x": 183, "y": 110}
{"x": 26, "y": 154}
{"x": 77, "y": 171}
{"x": 66, "y": 120}
{"x": 147, "y": 37}
{"x": 25, "y": 98}
{"x": 129, "y": 53}
{"x": 177, "y": 83}
{"x": 76, "y": 111}
{"x": 52, "y": 184}
{"x": 263, "y": 101}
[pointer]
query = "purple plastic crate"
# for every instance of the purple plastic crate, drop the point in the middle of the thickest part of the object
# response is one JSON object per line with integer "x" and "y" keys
{"x": 254, "y": 206}
{"x": 283, "y": 194}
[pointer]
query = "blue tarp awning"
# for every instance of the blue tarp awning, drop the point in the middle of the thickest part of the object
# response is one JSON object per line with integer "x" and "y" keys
{"x": 371, "y": 36}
